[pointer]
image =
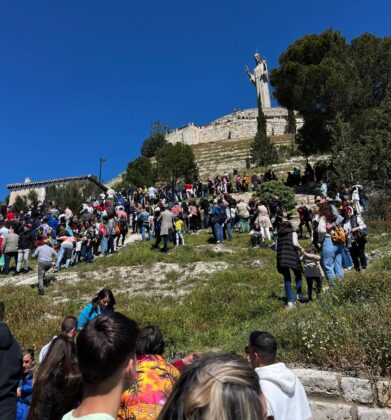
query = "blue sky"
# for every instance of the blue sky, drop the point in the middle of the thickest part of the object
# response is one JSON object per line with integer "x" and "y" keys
{"x": 83, "y": 79}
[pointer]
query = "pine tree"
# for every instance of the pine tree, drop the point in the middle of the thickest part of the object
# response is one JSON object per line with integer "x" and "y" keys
{"x": 345, "y": 165}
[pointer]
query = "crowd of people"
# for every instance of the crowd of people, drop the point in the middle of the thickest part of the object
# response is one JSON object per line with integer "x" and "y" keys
{"x": 338, "y": 235}
{"x": 134, "y": 379}
{"x": 58, "y": 238}
{"x": 104, "y": 366}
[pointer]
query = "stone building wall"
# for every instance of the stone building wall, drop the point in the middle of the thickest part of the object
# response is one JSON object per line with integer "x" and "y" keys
{"x": 236, "y": 126}
{"x": 41, "y": 192}
{"x": 334, "y": 396}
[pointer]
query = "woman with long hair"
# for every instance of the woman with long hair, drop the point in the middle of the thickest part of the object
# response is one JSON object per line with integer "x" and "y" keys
{"x": 58, "y": 385}
{"x": 103, "y": 303}
{"x": 331, "y": 250}
{"x": 222, "y": 386}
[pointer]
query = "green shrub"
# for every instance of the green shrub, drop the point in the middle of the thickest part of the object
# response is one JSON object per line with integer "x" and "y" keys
{"x": 279, "y": 189}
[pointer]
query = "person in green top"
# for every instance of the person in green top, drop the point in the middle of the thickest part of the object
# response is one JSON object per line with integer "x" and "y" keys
{"x": 106, "y": 350}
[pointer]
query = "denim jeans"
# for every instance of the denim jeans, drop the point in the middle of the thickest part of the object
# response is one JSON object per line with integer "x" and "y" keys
{"x": 332, "y": 259}
{"x": 87, "y": 253}
{"x": 7, "y": 260}
{"x": 103, "y": 245}
{"x": 65, "y": 248}
{"x": 346, "y": 260}
{"x": 228, "y": 231}
{"x": 218, "y": 229}
{"x": 286, "y": 272}
{"x": 144, "y": 229}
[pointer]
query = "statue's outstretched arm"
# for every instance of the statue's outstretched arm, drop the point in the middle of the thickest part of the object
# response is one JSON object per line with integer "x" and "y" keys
{"x": 250, "y": 75}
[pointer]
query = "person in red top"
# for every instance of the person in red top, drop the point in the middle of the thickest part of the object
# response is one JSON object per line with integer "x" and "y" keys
{"x": 177, "y": 209}
{"x": 10, "y": 215}
{"x": 189, "y": 190}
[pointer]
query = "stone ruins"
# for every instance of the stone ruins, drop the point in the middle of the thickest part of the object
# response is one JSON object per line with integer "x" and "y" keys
{"x": 239, "y": 125}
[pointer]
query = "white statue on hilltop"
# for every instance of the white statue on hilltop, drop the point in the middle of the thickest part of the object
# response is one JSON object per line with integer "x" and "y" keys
{"x": 259, "y": 79}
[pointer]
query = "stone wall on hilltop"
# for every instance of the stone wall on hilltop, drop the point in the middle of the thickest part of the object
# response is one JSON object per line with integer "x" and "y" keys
{"x": 236, "y": 126}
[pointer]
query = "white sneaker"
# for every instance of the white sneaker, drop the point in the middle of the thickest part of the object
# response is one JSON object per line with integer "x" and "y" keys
{"x": 290, "y": 305}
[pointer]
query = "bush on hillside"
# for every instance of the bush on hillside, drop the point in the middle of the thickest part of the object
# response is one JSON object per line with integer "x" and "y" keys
{"x": 270, "y": 189}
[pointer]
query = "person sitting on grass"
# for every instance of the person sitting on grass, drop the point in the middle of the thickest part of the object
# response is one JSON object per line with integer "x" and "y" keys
{"x": 285, "y": 395}
{"x": 102, "y": 304}
{"x": 256, "y": 238}
{"x": 106, "y": 349}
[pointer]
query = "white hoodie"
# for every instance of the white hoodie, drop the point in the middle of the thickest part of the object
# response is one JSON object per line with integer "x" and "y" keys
{"x": 285, "y": 395}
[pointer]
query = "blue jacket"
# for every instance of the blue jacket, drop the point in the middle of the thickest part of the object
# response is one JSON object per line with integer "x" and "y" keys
{"x": 218, "y": 215}
{"x": 23, "y": 405}
{"x": 86, "y": 315}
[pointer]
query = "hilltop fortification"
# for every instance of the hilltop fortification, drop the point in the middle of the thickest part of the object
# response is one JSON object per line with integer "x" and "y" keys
{"x": 238, "y": 125}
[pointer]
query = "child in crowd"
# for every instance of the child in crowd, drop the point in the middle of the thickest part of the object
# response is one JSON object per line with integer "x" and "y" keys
{"x": 256, "y": 238}
{"x": 151, "y": 230}
{"x": 312, "y": 270}
{"x": 78, "y": 245}
{"x": 178, "y": 230}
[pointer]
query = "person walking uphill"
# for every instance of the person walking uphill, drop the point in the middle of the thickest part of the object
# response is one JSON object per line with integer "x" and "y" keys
{"x": 45, "y": 254}
{"x": 166, "y": 220}
{"x": 9, "y": 248}
{"x": 288, "y": 259}
{"x": 25, "y": 245}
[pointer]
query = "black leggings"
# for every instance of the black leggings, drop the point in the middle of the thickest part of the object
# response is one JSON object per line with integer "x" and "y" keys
{"x": 310, "y": 283}
{"x": 193, "y": 223}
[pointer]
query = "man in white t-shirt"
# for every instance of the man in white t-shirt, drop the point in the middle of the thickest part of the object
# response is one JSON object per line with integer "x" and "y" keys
{"x": 284, "y": 393}
{"x": 68, "y": 328}
{"x": 107, "y": 369}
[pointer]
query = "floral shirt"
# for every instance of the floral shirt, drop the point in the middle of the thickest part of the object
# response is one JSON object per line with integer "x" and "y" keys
{"x": 145, "y": 398}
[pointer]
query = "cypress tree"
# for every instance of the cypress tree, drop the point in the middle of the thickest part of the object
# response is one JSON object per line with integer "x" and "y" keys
{"x": 291, "y": 123}
{"x": 263, "y": 152}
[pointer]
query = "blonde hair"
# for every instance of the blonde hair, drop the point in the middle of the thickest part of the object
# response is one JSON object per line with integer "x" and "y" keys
{"x": 219, "y": 387}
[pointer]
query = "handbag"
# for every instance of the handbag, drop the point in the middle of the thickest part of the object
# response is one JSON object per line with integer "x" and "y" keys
{"x": 339, "y": 235}
{"x": 2, "y": 261}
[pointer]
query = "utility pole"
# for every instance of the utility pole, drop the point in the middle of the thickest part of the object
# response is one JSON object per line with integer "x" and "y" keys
{"x": 101, "y": 161}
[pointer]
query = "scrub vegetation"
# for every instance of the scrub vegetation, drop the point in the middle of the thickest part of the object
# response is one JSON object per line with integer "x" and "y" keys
{"x": 348, "y": 329}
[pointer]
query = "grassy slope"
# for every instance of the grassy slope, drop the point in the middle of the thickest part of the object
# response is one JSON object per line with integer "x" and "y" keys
{"x": 340, "y": 331}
